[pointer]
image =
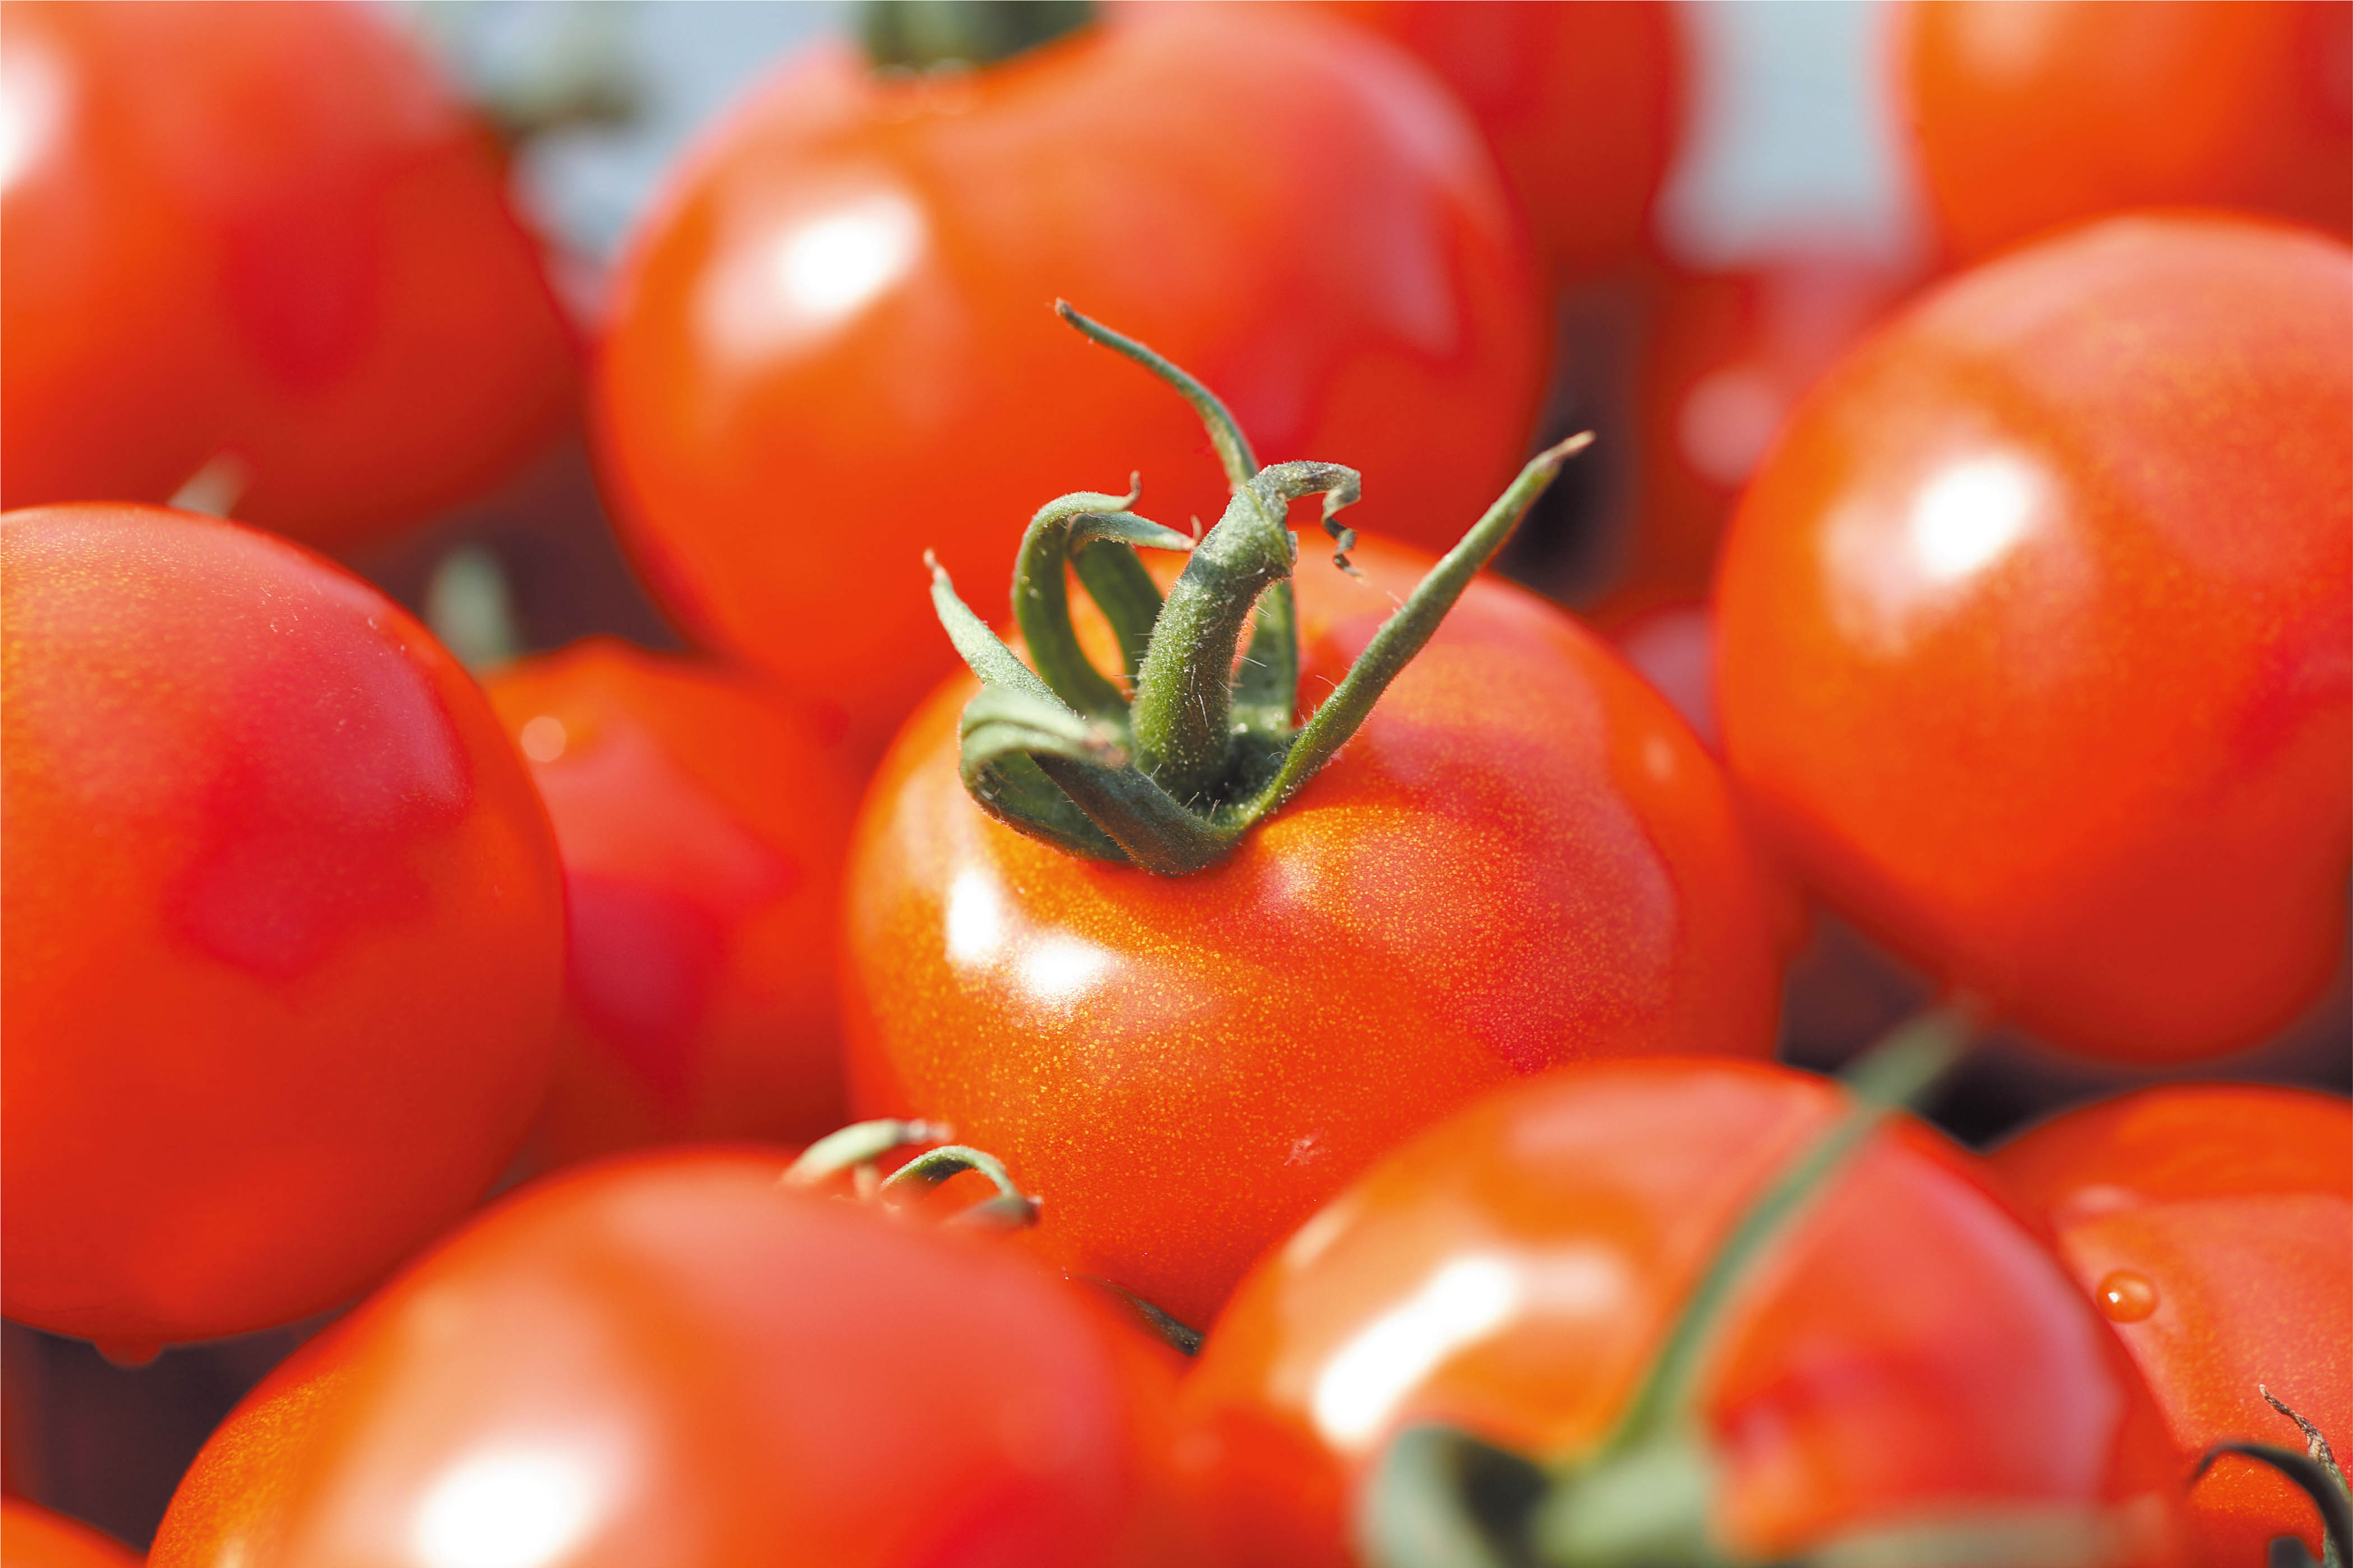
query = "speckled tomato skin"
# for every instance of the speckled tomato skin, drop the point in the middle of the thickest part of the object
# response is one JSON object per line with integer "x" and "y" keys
{"x": 2034, "y": 633}
{"x": 1523, "y": 857}
{"x": 2234, "y": 1202}
{"x": 283, "y": 933}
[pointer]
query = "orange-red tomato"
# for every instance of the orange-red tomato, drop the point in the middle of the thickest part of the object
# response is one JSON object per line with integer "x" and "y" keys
{"x": 833, "y": 345}
{"x": 2213, "y": 1225}
{"x": 1582, "y": 101}
{"x": 1908, "y": 1349}
{"x": 670, "y": 1360}
{"x": 283, "y": 935}
{"x": 1523, "y": 857}
{"x": 265, "y": 231}
{"x": 2032, "y": 633}
{"x": 32, "y": 1537}
{"x": 702, "y": 822}
{"x": 2035, "y": 113}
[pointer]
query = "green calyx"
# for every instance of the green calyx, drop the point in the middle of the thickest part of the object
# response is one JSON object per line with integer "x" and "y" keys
{"x": 927, "y": 34}
{"x": 2316, "y": 1471}
{"x": 1171, "y": 772}
{"x": 1645, "y": 1497}
{"x": 855, "y": 1152}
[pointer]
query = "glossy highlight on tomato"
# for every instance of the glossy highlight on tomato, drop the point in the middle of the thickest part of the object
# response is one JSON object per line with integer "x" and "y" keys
{"x": 702, "y": 821}
{"x": 833, "y": 345}
{"x": 269, "y": 233}
{"x": 283, "y": 935}
{"x": 2212, "y": 1223}
{"x": 1907, "y": 1350}
{"x": 670, "y": 1362}
{"x": 1521, "y": 857}
{"x": 2032, "y": 632}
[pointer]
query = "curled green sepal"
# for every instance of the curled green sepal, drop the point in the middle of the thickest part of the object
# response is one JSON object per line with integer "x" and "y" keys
{"x": 1009, "y": 1208}
{"x": 1041, "y": 606}
{"x": 1440, "y": 1498}
{"x": 1226, "y": 437}
{"x": 2315, "y": 1471}
{"x": 860, "y": 1143}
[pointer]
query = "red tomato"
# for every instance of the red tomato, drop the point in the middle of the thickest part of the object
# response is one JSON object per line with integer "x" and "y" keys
{"x": 1673, "y": 648}
{"x": 1582, "y": 102}
{"x": 1522, "y": 856}
{"x": 833, "y": 345}
{"x": 283, "y": 928}
{"x": 2031, "y": 115}
{"x": 267, "y": 231}
{"x": 2213, "y": 1224}
{"x": 670, "y": 1361}
{"x": 2032, "y": 633}
{"x": 32, "y": 1537}
{"x": 701, "y": 821}
{"x": 1907, "y": 1350}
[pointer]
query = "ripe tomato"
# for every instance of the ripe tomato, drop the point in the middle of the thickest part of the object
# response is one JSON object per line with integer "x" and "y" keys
{"x": 32, "y": 1537}
{"x": 1582, "y": 103}
{"x": 2031, "y": 633}
{"x": 283, "y": 930}
{"x": 670, "y": 1360}
{"x": 2034, "y": 115}
{"x": 833, "y": 346}
{"x": 1907, "y": 1350}
{"x": 701, "y": 821}
{"x": 267, "y": 231}
{"x": 1522, "y": 856}
{"x": 2213, "y": 1225}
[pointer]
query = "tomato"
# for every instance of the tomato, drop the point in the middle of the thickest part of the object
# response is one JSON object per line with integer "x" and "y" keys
{"x": 1581, "y": 101}
{"x": 833, "y": 346}
{"x": 266, "y": 231}
{"x": 701, "y": 821}
{"x": 2213, "y": 1224}
{"x": 32, "y": 1537}
{"x": 283, "y": 928}
{"x": 669, "y": 1360}
{"x": 2033, "y": 116}
{"x": 2031, "y": 633}
{"x": 1673, "y": 648}
{"x": 1907, "y": 1351}
{"x": 1522, "y": 856}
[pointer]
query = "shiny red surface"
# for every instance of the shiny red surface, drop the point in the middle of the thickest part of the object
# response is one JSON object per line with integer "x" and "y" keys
{"x": 32, "y": 1537}
{"x": 669, "y": 1361}
{"x": 2036, "y": 114}
{"x": 702, "y": 821}
{"x": 2213, "y": 1223}
{"x": 283, "y": 930}
{"x": 268, "y": 231}
{"x": 2034, "y": 633}
{"x": 1910, "y": 1348}
{"x": 834, "y": 347}
{"x": 1523, "y": 857}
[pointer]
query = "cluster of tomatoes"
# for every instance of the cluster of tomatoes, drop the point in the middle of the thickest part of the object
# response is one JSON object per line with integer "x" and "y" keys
{"x": 1279, "y": 1068}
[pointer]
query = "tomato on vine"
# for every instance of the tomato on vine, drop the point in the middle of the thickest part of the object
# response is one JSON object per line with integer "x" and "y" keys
{"x": 282, "y": 944}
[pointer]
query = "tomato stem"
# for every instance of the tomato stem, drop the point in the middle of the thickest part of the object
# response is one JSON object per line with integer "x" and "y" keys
{"x": 2315, "y": 1470}
{"x": 924, "y": 35}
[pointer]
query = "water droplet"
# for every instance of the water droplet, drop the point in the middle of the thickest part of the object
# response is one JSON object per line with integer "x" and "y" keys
{"x": 2127, "y": 1297}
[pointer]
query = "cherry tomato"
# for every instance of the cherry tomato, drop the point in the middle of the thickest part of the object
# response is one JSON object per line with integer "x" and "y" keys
{"x": 2034, "y": 115}
{"x": 1521, "y": 857}
{"x": 265, "y": 231}
{"x": 1908, "y": 1349}
{"x": 2031, "y": 633}
{"x": 702, "y": 822}
{"x": 283, "y": 928}
{"x": 2213, "y": 1225}
{"x": 670, "y": 1361}
{"x": 834, "y": 348}
{"x": 32, "y": 1537}
{"x": 1582, "y": 103}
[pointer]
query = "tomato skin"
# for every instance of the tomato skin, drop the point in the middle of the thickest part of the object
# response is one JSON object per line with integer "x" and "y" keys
{"x": 1910, "y": 1346}
{"x": 267, "y": 230}
{"x": 2007, "y": 667}
{"x": 32, "y": 1537}
{"x": 1522, "y": 856}
{"x": 698, "y": 1369}
{"x": 2234, "y": 1202}
{"x": 1582, "y": 102}
{"x": 702, "y": 821}
{"x": 283, "y": 936}
{"x": 778, "y": 481}
{"x": 2033, "y": 116}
